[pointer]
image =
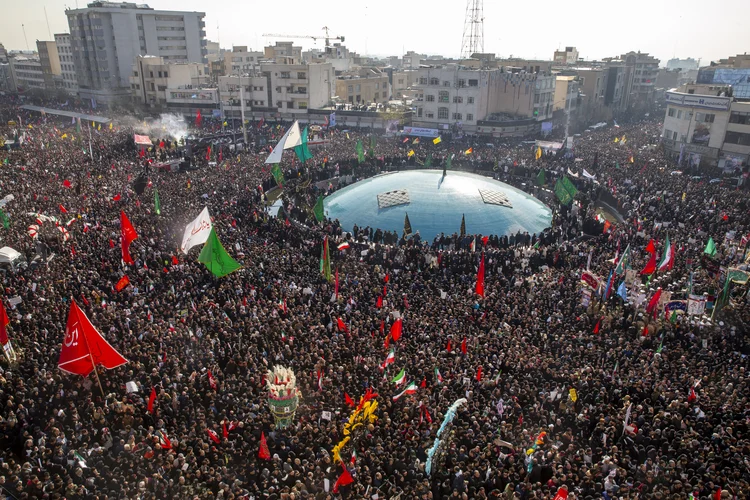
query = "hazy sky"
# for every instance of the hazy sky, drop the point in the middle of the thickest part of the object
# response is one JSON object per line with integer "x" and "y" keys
{"x": 665, "y": 28}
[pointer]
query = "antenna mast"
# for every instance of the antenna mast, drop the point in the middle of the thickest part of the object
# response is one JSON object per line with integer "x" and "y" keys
{"x": 473, "y": 39}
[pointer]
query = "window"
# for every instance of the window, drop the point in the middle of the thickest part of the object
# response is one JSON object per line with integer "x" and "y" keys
{"x": 442, "y": 113}
{"x": 446, "y": 83}
{"x": 671, "y": 112}
{"x": 430, "y": 98}
{"x": 461, "y": 83}
{"x": 350, "y": 89}
{"x": 458, "y": 99}
{"x": 434, "y": 81}
{"x": 473, "y": 83}
{"x": 301, "y": 75}
{"x": 302, "y": 105}
{"x": 419, "y": 112}
{"x": 679, "y": 114}
{"x": 704, "y": 117}
{"x": 443, "y": 96}
{"x": 377, "y": 85}
{"x": 400, "y": 81}
{"x": 737, "y": 138}
{"x": 358, "y": 87}
{"x": 377, "y": 95}
{"x": 166, "y": 74}
{"x": 359, "y": 98}
{"x": 285, "y": 74}
{"x": 469, "y": 117}
{"x": 423, "y": 81}
{"x": 290, "y": 104}
{"x": 739, "y": 117}
{"x": 470, "y": 100}
{"x": 456, "y": 116}
{"x": 302, "y": 90}
{"x": 430, "y": 115}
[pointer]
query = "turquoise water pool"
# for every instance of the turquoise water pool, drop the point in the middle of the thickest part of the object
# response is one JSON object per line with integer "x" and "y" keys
{"x": 436, "y": 205}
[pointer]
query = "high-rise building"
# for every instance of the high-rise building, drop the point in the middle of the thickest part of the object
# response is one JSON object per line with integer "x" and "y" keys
{"x": 50, "y": 61}
{"x": 639, "y": 78}
{"x": 106, "y": 38}
{"x": 67, "y": 65}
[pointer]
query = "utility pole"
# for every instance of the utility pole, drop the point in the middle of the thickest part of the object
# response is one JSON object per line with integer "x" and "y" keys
{"x": 242, "y": 110}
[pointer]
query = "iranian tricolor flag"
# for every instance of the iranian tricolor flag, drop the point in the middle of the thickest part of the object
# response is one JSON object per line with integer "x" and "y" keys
{"x": 410, "y": 389}
{"x": 390, "y": 359}
{"x": 438, "y": 377}
{"x": 667, "y": 259}
{"x": 400, "y": 378}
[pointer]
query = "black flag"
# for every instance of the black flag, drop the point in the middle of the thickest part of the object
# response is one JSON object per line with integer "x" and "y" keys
{"x": 407, "y": 226}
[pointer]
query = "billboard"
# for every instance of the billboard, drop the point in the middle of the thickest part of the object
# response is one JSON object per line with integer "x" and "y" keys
{"x": 421, "y": 132}
{"x": 698, "y": 101}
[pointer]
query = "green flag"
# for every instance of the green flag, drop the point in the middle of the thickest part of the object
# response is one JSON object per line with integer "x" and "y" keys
{"x": 360, "y": 151}
{"x": 216, "y": 259}
{"x": 278, "y": 175}
{"x": 371, "y": 152}
{"x": 302, "y": 151}
{"x": 4, "y": 218}
{"x": 448, "y": 162}
{"x": 710, "y": 247}
{"x": 565, "y": 191}
{"x": 428, "y": 160}
{"x": 541, "y": 179}
{"x": 157, "y": 203}
{"x": 326, "y": 260}
{"x": 318, "y": 209}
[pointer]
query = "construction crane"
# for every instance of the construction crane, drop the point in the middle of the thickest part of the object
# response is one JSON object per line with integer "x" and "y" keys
{"x": 327, "y": 37}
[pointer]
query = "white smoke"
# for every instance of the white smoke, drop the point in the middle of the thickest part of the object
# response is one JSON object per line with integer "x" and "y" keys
{"x": 167, "y": 125}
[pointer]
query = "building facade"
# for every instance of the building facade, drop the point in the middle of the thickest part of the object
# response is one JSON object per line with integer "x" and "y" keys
{"x": 67, "y": 64}
{"x": 566, "y": 57}
{"x": 702, "y": 128}
{"x": 241, "y": 60}
{"x": 50, "y": 61}
{"x": 106, "y": 38}
{"x": 734, "y": 71}
{"x": 26, "y": 73}
{"x": 640, "y": 75}
{"x": 152, "y": 76}
{"x": 284, "y": 53}
{"x": 368, "y": 85}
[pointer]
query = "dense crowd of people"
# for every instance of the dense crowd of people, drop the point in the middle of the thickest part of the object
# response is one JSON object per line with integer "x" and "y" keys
{"x": 514, "y": 354}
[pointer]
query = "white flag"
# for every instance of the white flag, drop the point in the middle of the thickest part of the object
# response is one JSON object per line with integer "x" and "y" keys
{"x": 196, "y": 233}
{"x": 291, "y": 139}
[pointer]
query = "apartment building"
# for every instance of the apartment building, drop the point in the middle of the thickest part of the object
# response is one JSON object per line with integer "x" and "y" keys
{"x": 640, "y": 71}
{"x": 364, "y": 86}
{"x": 152, "y": 77}
{"x": 566, "y": 57}
{"x": 26, "y": 73}
{"x": 241, "y": 60}
{"x": 291, "y": 89}
{"x": 284, "y": 52}
{"x": 106, "y": 37}
{"x": 67, "y": 64}
{"x": 50, "y": 61}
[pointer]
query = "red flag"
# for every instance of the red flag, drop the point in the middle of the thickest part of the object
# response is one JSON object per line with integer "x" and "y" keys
{"x": 127, "y": 236}
{"x": 387, "y": 278}
{"x": 198, "y": 118}
{"x": 224, "y": 431}
{"x": 341, "y": 325}
{"x": 175, "y": 262}
{"x": 67, "y": 183}
{"x": 164, "y": 441}
{"x": 448, "y": 347}
{"x": 63, "y": 209}
{"x": 142, "y": 152}
{"x": 151, "y": 400}
{"x": 650, "y": 248}
{"x": 212, "y": 380}
{"x": 263, "y": 452}
{"x": 644, "y": 333}
{"x": 124, "y": 281}
{"x": 4, "y": 321}
{"x": 606, "y": 226}
{"x": 116, "y": 197}
{"x": 479, "y": 374}
{"x": 651, "y": 309}
{"x": 111, "y": 243}
{"x": 480, "y": 278}
{"x": 717, "y": 493}
{"x": 396, "y": 329}
{"x": 463, "y": 346}
{"x": 692, "y": 396}
{"x": 214, "y": 437}
{"x": 349, "y": 400}
{"x": 385, "y": 291}
{"x": 485, "y": 239}
{"x": 598, "y": 324}
{"x": 562, "y": 493}
{"x": 344, "y": 480}
{"x": 161, "y": 144}
{"x": 387, "y": 340}
{"x": 650, "y": 265}
{"x": 424, "y": 383}
{"x": 84, "y": 348}
{"x": 208, "y": 153}
{"x": 380, "y": 301}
